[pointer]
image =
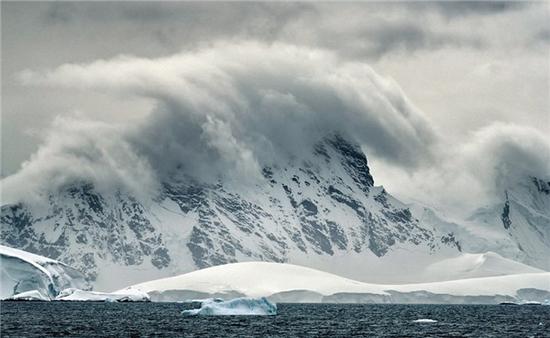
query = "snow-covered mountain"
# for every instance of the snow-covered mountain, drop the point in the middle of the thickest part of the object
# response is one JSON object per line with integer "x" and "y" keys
{"x": 321, "y": 210}
{"x": 23, "y": 272}
{"x": 292, "y": 283}
{"x": 522, "y": 220}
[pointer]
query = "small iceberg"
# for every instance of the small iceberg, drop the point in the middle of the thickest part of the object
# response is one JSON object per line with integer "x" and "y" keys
{"x": 234, "y": 307}
{"x": 425, "y": 320}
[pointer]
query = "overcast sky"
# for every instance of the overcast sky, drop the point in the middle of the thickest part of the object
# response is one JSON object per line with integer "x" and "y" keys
{"x": 475, "y": 76}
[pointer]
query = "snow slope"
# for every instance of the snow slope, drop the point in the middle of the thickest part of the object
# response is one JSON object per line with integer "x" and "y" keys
{"x": 523, "y": 218}
{"x": 258, "y": 279}
{"x": 21, "y": 272}
{"x": 407, "y": 264}
{"x": 292, "y": 283}
{"x": 477, "y": 265}
{"x": 486, "y": 286}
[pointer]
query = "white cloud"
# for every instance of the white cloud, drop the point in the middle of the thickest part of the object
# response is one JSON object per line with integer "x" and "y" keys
{"x": 225, "y": 110}
{"x": 476, "y": 173}
{"x": 81, "y": 151}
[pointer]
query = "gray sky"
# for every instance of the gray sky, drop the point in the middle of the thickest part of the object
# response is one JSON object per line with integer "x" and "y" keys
{"x": 477, "y": 72}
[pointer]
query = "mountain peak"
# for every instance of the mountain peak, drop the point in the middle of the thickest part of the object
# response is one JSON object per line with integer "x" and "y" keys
{"x": 321, "y": 209}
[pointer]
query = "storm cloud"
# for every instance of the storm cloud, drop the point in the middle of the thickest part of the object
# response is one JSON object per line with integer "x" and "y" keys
{"x": 229, "y": 109}
{"x": 455, "y": 104}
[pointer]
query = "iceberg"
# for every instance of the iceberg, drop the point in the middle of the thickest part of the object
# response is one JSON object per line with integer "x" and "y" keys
{"x": 425, "y": 321}
{"x": 72, "y": 294}
{"x": 234, "y": 307}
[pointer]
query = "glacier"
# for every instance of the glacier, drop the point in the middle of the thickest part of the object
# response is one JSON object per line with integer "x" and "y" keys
{"x": 26, "y": 276}
{"x": 32, "y": 276}
{"x": 280, "y": 282}
{"x": 233, "y": 307}
{"x": 77, "y": 295}
{"x": 72, "y": 294}
{"x": 32, "y": 295}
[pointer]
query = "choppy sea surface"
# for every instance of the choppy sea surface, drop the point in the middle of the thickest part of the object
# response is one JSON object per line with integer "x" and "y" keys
{"x": 80, "y": 319}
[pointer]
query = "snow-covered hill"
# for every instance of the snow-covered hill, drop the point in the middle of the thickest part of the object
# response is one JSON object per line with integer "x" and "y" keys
{"x": 320, "y": 210}
{"x": 292, "y": 283}
{"x": 25, "y": 272}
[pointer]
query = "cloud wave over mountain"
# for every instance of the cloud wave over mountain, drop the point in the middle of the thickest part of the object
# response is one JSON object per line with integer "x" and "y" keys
{"x": 230, "y": 109}
{"x": 226, "y": 109}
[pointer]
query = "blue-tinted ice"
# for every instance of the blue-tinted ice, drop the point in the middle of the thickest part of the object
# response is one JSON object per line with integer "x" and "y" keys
{"x": 234, "y": 307}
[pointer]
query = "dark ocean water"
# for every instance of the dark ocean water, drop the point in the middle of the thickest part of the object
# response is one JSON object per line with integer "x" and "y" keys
{"x": 75, "y": 319}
